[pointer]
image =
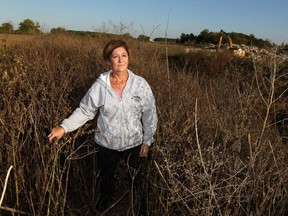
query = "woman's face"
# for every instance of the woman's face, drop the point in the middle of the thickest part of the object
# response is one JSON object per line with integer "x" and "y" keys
{"x": 119, "y": 60}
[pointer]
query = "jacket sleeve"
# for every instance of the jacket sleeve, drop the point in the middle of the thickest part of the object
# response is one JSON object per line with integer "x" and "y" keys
{"x": 149, "y": 118}
{"x": 86, "y": 111}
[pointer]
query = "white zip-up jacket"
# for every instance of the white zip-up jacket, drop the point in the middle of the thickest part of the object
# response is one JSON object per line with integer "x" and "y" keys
{"x": 122, "y": 123}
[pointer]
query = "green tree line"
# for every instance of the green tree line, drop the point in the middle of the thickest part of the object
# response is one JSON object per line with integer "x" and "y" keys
{"x": 206, "y": 37}
{"x": 28, "y": 26}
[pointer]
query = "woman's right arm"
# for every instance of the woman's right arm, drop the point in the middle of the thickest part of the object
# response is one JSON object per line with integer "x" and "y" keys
{"x": 86, "y": 111}
{"x": 78, "y": 118}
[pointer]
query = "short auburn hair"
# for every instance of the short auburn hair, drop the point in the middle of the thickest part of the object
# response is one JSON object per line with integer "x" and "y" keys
{"x": 112, "y": 45}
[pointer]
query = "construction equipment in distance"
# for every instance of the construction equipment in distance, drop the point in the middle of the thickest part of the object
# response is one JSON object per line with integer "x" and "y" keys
{"x": 235, "y": 51}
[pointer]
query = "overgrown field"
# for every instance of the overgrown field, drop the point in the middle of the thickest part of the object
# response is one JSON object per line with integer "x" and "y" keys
{"x": 221, "y": 143}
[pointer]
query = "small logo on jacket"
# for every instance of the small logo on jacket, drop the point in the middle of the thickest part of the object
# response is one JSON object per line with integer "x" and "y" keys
{"x": 136, "y": 98}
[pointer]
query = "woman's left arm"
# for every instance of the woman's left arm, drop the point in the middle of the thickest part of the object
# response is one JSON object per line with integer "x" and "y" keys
{"x": 149, "y": 118}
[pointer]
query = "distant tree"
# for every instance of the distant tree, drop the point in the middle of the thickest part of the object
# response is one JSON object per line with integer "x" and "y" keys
{"x": 214, "y": 37}
{"x": 203, "y": 37}
{"x": 29, "y": 27}
{"x": 59, "y": 30}
{"x": 206, "y": 37}
{"x": 143, "y": 38}
{"x": 187, "y": 38}
{"x": 7, "y": 28}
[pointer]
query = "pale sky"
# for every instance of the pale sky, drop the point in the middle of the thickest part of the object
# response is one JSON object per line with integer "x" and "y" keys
{"x": 264, "y": 19}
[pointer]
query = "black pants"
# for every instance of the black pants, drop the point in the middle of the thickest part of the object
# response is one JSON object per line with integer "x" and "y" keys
{"x": 107, "y": 160}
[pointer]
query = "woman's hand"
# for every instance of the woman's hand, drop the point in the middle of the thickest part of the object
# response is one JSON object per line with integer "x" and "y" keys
{"x": 57, "y": 133}
{"x": 144, "y": 150}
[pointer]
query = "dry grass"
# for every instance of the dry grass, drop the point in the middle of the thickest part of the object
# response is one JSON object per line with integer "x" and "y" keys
{"x": 219, "y": 149}
{"x": 8, "y": 40}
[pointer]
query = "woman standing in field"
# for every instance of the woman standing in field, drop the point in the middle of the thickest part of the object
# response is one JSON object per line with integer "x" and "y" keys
{"x": 126, "y": 122}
